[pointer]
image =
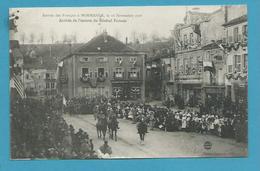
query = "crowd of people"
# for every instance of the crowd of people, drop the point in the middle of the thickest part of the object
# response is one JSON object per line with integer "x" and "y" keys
{"x": 82, "y": 105}
{"x": 189, "y": 120}
{"x": 39, "y": 131}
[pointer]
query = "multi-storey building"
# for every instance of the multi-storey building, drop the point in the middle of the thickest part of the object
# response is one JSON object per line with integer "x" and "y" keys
{"x": 188, "y": 66}
{"x": 212, "y": 35}
{"x": 211, "y": 56}
{"x": 237, "y": 55}
{"x": 39, "y": 77}
{"x": 104, "y": 66}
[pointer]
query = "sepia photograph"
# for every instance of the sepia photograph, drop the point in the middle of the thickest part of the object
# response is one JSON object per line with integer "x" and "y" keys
{"x": 128, "y": 82}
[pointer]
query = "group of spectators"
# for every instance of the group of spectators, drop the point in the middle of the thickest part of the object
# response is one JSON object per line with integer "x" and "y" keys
{"x": 82, "y": 105}
{"x": 38, "y": 130}
{"x": 189, "y": 120}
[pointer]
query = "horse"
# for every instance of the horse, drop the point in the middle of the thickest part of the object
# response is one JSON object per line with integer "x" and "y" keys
{"x": 112, "y": 127}
{"x": 101, "y": 127}
{"x": 142, "y": 129}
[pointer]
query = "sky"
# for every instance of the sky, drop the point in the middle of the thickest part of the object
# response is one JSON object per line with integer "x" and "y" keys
{"x": 87, "y": 22}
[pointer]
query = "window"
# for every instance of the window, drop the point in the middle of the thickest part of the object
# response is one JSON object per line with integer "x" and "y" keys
{"x": 47, "y": 75}
{"x": 118, "y": 73}
{"x": 52, "y": 85}
{"x": 85, "y": 72}
{"x": 238, "y": 62}
{"x": 245, "y": 61}
{"x": 185, "y": 39}
{"x": 235, "y": 34}
{"x": 244, "y": 30}
{"x": 185, "y": 64}
{"x": 191, "y": 38}
{"x": 230, "y": 39}
{"x": 178, "y": 65}
{"x": 198, "y": 39}
{"x": 229, "y": 68}
{"x": 118, "y": 59}
{"x": 27, "y": 76}
{"x": 199, "y": 64}
{"x": 47, "y": 85}
{"x": 101, "y": 72}
{"x": 106, "y": 73}
{"x": 133, "y": 73}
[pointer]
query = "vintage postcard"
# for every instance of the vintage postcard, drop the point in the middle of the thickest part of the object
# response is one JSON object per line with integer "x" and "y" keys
{"x": 128, "y": 82}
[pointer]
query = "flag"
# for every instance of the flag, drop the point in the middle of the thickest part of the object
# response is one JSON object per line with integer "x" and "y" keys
{"x": 60, "y": 65}
{"x": 64, "y": 101}
{"x": 208, "y": 66}
{"x": 17, "y": 84}
{"x": 120, "y": 62}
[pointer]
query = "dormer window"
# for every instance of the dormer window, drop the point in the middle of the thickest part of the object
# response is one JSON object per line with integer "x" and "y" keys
{"x": 84, "y": 59}
{"x": 191, "y": 38}
{"x": 102, "y": 59}
{"x": 133, "y": 59}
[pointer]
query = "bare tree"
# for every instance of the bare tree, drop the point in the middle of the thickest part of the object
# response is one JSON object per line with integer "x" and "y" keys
{"x": 52, "y": 36}
{"x": 41, "y": 38}
{"x": 154, "y": 36}
{"x": 143, "y": 37}
{"x": 74, "y": 38}
{"x": 32, "y": 38}
{"x": 66, "y": 38}
{"x": 133, "y": 36}
{"x": 117, "y": 34}
{"x": 23, "y": 37}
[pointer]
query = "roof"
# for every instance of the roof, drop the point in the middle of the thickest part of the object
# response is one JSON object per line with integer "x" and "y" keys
{"x": 235, "y": 21}
{"x": 44, "y": 56}
{"x": 104, "y": 43}
{"x": 213, "y": 45}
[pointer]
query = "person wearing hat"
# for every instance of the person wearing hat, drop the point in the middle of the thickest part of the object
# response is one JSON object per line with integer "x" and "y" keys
{"x": 105, "y": 150}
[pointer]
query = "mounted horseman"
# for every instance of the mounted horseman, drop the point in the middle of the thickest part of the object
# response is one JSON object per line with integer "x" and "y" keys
{"x": 112, "y": 123}
{"x": 101, "y": 125}
{"x": 142, "y": 127}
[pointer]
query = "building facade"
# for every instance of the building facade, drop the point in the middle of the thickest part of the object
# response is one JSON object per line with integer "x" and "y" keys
{"x": 188, "y": 66}
{"x": 210, "y": 60}
{"x": 236, "y": 80}
{"x": 104, "y": 66}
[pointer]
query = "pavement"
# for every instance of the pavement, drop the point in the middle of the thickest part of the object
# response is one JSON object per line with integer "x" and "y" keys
{"x": 158, "y": 143}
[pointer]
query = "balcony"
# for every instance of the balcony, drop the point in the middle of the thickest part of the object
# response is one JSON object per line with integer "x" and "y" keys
{"x": 85, "y": 79}
{"x": 134, "y": 76}
{"x": 118, "y": 76}
{"x": 101, "y": 78}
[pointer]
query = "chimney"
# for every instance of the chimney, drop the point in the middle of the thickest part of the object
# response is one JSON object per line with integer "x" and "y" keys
{"x": 126, "y": 40}
{"x": 105, "y": 36}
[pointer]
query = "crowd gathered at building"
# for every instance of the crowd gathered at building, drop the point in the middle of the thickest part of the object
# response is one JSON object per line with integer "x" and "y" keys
{"x": 167, "y": 119}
